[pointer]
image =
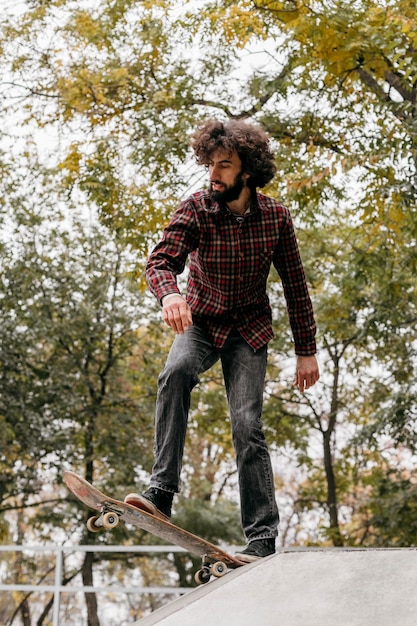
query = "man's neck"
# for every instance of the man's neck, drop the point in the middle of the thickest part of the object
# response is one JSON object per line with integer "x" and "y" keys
{"x": 242, "y": 204}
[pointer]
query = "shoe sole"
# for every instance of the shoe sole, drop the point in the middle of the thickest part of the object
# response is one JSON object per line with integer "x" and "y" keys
{"x": 143, "y": 504}
{"x": 247, "y": 558}
{"x": 250, "y": 558}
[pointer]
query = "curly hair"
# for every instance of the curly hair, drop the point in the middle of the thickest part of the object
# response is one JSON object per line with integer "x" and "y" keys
{"x": 250, "y": 142}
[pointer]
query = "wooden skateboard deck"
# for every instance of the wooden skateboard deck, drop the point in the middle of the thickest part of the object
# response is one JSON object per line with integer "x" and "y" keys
{"x": 215, "y": 561}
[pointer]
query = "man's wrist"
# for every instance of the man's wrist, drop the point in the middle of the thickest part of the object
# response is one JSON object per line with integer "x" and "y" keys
{"x": 306, "y": 350}
{"x": 169, "y": 296}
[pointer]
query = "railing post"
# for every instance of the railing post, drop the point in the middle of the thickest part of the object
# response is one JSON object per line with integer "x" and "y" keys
{"x": 58, "y": 582}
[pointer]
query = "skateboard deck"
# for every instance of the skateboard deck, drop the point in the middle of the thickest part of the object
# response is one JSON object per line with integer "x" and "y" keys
{"x": 215, "y": 561}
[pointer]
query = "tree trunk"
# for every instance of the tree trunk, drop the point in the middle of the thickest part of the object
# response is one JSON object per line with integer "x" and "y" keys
{"x": 25, "y": 613}
{"x": 335, "y": 533}
{"x": 90, "y": 598}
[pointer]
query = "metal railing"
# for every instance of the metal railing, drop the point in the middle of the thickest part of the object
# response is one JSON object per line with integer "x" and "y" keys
{"x": 57, "y": 588}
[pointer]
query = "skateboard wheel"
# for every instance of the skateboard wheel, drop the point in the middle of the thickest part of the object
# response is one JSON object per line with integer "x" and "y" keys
{"x": 202, "y": 576}
{"x": 110, "y": 520}
{"x": 91, "y": 524}
{"x": 219, "y": 569}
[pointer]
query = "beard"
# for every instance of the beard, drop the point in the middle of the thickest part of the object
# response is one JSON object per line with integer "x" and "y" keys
{"x": 230, "y": 193}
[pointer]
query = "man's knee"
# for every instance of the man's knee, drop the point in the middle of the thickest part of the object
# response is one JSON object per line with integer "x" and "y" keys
{"x": 179, "y": 372}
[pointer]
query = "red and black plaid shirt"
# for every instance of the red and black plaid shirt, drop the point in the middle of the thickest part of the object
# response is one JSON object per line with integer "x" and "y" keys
{"x": 229, "y": 267}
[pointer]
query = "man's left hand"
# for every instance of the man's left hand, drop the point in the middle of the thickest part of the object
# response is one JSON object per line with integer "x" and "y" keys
{"x": 306, "y": 372}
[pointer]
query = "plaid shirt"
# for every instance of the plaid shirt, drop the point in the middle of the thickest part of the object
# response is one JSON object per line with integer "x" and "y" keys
{"x": 229, "y": 267}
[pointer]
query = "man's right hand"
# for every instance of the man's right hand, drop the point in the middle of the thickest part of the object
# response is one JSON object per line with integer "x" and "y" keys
{"x": 177, "y": 313}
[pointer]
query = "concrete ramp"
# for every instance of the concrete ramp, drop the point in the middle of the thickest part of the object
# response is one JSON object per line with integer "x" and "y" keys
{"x": 305, "y": 587}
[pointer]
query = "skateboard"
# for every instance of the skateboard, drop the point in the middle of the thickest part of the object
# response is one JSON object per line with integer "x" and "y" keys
{"x": 215, "y": 561}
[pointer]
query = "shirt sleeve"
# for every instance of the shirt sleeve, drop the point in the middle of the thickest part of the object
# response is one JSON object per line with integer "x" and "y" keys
{"x": 167, "y": 260}
{"x": 287, "y": 261}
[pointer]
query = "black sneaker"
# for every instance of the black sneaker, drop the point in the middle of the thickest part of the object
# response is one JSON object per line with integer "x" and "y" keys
{"x": 257, "y": 549}
{"x": 153, "y": 500}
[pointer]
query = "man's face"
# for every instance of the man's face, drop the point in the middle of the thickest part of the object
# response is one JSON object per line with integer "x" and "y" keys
{"x": 226, "y": 177}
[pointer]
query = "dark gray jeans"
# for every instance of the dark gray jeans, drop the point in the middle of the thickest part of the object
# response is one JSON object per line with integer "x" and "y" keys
{"x": 244, "y": 376}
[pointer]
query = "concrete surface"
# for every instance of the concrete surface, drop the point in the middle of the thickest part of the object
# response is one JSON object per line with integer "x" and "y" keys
{"x": 305, "y": 587}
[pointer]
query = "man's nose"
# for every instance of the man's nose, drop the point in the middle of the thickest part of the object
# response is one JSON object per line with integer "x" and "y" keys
{"x": 214, "y": 172}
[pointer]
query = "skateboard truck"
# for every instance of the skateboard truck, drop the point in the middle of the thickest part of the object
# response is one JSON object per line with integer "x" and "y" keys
{"x": 105, "y": 521}
{"x": 209, "y": 568}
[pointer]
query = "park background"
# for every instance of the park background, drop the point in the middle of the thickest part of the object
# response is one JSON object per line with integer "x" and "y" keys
{"x": 98, "y": 101}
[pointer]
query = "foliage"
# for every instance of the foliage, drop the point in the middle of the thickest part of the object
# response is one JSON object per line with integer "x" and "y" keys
{"x": 393, "y": 509}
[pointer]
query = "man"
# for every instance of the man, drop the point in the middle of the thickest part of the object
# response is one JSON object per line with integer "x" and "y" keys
{"x": 231, "y": 234}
